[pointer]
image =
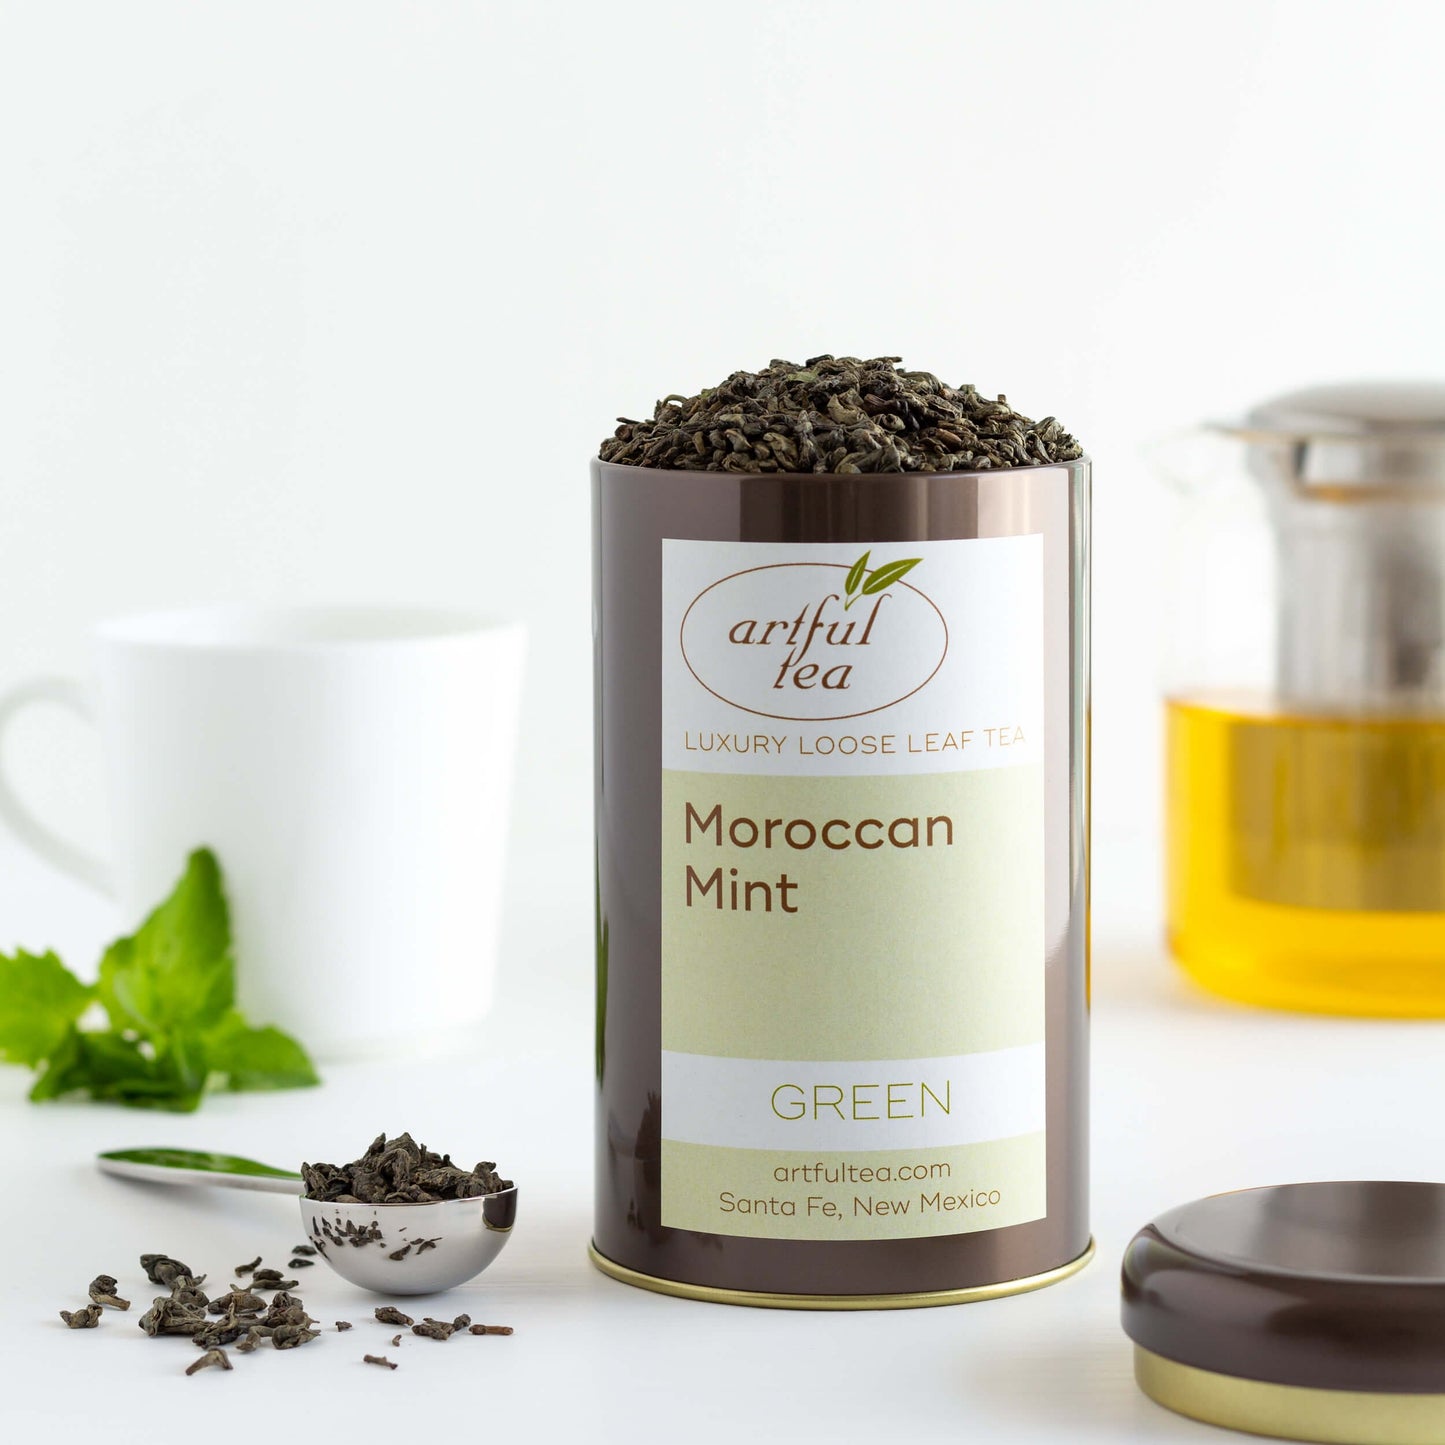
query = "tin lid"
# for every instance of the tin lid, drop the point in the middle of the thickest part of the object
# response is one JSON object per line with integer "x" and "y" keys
{"x": 1308, "y": 1310}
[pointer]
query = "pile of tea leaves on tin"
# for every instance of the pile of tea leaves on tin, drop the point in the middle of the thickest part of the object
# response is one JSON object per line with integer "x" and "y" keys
{"x": 400, "y": 1171}
{"x": 837, "y": 414}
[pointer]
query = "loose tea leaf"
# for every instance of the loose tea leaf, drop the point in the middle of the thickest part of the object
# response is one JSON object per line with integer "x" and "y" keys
{"x": 305, "y": 1249}
{"x": 219, "y": 1332}
{"x": 492, "y": 1329}
{"x": 168, "y": 991}
{"x": 400, "y": 1171}
{"x": 395, "y": 1341}
{"x": 238, "y": 1300}
{"x": 86, "y": 1319}
{"x": 837, "y": 415}
{"x": 248, "y": 1268}
{"x": 299, "y": 1263}
{"x": 169, "y": 1317}
{"x": 390, "y": 1315}
{"x": 287, "y": 1310}
{"x": 433, "y": 1329}
{"x": 343, "y": 1325}
{"x": 103, "y": 1292}
{"x": 379, "y": 1360}
{"x": 162, "y": 1269}
{"x": 289, "y": 1337}
{"x": 185, "y": 1291}
{"x": 211, "y": 1357}
{"x": 271, "y": 1279}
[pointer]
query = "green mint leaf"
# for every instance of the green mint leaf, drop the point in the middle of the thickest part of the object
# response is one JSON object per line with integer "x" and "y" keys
{"x": 855, "y": 574}
{"x": 175, "y": 973}
{"x": 170, "y": 992}
{"x": 40, "y": 999}
{"x": 888, "y": 574}
{"x": 113, "y": 1068}
{"x": 63, "y": 1071}
{"x": 257, "y": 1058}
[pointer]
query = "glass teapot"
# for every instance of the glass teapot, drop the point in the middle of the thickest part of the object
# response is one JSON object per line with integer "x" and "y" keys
{"x": 1305, "y": 724}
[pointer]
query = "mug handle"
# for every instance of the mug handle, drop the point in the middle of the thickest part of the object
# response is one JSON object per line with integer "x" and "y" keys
{"x": 65, "y": 855}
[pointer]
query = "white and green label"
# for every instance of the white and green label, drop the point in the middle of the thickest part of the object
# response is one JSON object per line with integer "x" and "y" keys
{"x": 852, "y": 888}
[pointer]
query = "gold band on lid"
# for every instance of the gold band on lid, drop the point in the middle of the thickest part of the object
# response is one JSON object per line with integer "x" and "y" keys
{"x": 760, "y": 1299}
{"x": 1290, "y": 1412}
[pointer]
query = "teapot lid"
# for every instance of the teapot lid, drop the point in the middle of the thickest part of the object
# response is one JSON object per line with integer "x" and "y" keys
{"x": 1362, "y": 439}
{"x": 1363, "y": 409}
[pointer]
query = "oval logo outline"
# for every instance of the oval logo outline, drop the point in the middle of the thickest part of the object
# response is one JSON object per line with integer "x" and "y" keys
{"x": 792, "y": 717}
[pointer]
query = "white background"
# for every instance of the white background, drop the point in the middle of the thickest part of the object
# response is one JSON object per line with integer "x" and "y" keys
{"x": 332, "y": 301}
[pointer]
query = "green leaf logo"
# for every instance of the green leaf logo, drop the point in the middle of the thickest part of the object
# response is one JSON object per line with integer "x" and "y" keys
{"x": 880, "y": 578}
{"x": 854, "y": 580}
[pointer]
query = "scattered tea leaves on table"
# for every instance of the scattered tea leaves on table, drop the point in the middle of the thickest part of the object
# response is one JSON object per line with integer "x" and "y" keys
{"x": 240, "y": 1317}
{"x": 168, "y": 993}
{"x": 103, "y": 1292}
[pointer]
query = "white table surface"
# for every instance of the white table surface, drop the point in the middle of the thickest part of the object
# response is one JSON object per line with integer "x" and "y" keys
{"x": 1189, "y": 1097}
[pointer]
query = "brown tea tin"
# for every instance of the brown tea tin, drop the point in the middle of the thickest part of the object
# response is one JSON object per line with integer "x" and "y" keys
{"x": 1305, "y": 1311}
{"x": 842, "y": 883}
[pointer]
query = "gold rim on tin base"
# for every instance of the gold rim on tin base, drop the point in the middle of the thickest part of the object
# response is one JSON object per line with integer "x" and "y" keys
{"x": 1290, "y": 1412}
{"x": 767, "y": 1300}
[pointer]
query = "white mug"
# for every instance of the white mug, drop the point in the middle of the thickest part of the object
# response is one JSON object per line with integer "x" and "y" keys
{"x": 351, "y": 770}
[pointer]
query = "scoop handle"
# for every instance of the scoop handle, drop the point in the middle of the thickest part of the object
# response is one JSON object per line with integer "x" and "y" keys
{"x": 196, "y": 1166}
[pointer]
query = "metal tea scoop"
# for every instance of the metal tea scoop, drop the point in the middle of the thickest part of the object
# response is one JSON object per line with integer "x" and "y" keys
{"x": 386, "y": 1248}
